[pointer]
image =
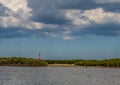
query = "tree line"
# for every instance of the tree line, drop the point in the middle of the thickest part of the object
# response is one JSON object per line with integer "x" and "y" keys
{"x": 115, "y": 62}
{"x": 21, "y": 61}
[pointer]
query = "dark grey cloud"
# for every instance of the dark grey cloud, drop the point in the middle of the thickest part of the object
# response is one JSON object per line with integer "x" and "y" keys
{"x": 87, "y": 5}
{"x": 2, "y": 10}
{"x": 111, "y": 7}
{"x": 109, "y": 29}
{"x": 22, "y": 32}
{"x": 51, "y": 12}
{"x": 96, "y": 29}
{"x": 12, "y": 33}
{"x": 48, "y": 11}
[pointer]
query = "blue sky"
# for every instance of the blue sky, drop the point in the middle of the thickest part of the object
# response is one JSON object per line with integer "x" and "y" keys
{"x": 60, "y": 29}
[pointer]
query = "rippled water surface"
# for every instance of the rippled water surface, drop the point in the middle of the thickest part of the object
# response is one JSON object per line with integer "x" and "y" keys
{"x": 59, "y": 76}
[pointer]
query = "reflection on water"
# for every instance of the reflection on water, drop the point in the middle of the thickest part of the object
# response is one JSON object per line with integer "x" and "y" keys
{"x": 59, "y": 76}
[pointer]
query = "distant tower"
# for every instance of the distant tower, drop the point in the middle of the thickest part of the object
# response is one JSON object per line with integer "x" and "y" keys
{"x": 39, "y": 57}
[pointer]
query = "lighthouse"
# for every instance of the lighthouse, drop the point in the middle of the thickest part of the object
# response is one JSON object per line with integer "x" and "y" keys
{"x": 39, "y": 57}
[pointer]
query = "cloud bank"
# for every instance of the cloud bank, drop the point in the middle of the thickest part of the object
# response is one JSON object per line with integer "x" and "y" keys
{"x": 65, "y": 19}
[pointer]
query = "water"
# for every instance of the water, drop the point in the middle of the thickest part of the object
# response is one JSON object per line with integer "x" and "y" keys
{"x": 59, "y": 76}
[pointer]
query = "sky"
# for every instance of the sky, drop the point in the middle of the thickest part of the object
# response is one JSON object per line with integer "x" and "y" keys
{"x": 60, "y": 29}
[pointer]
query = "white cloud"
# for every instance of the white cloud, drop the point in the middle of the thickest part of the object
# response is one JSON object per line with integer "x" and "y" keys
{"x": 18, "y": 15}
{"x": 33, "y": 25}
{"x": 67, "y": 38}
{"x": 98, "y": 16}
{"x": 16, "y": 5}
{"x": 53, "y": 35}
{"x": 95, "y": 15}
{"x": 9, "y": 21}
{"x": 75, "y": 17}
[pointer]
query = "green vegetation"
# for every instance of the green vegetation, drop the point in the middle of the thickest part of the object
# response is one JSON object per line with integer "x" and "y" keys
{"x": 61, "y": 61}
{"x": 21, "y": 61}
{"x": 105, "y": 63}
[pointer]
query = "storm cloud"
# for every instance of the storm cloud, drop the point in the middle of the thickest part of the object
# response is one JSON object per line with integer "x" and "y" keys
{"x": 65, "y": 19}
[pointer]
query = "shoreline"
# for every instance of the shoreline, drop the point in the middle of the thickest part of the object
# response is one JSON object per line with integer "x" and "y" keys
{"x": 61, "y": 65}
{"x": 72, "y": 65}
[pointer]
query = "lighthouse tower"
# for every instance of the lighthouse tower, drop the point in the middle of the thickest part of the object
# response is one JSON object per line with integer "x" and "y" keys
{"x": 39, "y": 57}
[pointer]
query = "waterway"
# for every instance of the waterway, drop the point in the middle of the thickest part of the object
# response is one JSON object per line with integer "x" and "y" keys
{"x": 59, "y": 76}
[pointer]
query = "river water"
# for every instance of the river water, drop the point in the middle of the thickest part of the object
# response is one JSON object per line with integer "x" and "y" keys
{"x": 59, "y": 76}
